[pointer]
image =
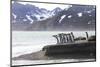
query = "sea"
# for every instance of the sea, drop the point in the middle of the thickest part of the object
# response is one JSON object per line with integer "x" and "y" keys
{"x": 25, "y": 42}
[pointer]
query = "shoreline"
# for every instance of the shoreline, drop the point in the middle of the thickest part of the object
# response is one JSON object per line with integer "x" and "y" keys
{"x": 40, "y": 55}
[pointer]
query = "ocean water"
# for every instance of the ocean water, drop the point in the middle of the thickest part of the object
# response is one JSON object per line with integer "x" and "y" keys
{"x": 24, "y": 42}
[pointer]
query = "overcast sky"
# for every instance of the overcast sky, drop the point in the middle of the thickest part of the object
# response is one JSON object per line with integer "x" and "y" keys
{"x": 88, "y": 2}
{"x": 46, "y": 6}
{"x": 52, "y": 6}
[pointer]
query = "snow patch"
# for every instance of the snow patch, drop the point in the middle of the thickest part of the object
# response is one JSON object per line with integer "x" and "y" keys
{"x": 45, "y": 16}
{"x": 14, "y": 15}
{"x": 29, "y": 18}
{"x": 24, "y": 19}
{"x": 88, "y": 11}
{"x": 79, "y": 14}
{"x": 69, "y": 16}
{"x": 62, "y": 17}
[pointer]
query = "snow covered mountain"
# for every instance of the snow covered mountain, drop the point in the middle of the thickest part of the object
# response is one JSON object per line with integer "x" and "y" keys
{"x": 77, "y": 17}
{"x": 29, "y": 13}
{"x": 31, "y": 17}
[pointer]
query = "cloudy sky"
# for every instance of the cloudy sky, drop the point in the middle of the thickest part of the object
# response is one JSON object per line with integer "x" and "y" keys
{"x": 88, "y": 2}
{"x": 45, "y": 5}
{"x": 52, "y": 6}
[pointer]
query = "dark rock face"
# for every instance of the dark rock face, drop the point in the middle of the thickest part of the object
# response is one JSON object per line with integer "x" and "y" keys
{"x": 71, "y": 48}
{"x": 67, "y": 44}
{"x": 77, "y": 17}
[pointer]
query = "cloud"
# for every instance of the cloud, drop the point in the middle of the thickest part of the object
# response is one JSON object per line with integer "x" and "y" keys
{"x": 91, "y": 2}
{"x": 46, "y": 5}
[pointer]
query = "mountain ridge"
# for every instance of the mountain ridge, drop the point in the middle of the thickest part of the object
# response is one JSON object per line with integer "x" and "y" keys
{"x": 76, "y": 17}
